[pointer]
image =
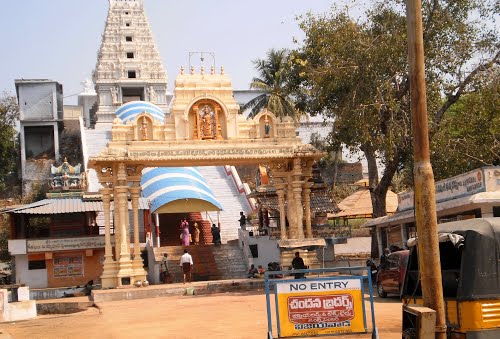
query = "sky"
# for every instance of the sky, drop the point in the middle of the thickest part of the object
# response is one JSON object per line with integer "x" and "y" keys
{"x": 59, "y": 39}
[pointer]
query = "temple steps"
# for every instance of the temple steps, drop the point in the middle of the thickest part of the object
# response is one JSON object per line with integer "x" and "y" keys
{"x": 209, "y": 262}
{"x": 231, "y": 200}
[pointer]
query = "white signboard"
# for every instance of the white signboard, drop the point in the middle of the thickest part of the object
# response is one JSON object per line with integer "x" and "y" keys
{"x": 459, "y": 186}
{"x": 49, "y": 245}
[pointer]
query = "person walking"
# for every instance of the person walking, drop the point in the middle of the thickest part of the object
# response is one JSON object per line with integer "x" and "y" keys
{"x": 298, "y": 264}
{"x": 186, "y": 265}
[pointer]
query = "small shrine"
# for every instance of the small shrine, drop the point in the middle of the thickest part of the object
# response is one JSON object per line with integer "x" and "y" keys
{"x": 67, "y": 179}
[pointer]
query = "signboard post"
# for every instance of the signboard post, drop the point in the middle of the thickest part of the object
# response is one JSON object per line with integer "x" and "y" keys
{"x": 322, "y": 305}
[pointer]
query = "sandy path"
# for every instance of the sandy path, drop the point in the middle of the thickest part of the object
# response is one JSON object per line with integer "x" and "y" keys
{"x": 225, "y": 315}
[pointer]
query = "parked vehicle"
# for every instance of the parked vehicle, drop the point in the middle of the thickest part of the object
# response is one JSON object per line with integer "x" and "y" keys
{"x": 391, "y": 273}
{"x": 470, "y": 268}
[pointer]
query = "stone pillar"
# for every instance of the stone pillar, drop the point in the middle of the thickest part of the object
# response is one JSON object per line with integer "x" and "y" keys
{"x": 297, "y": 195}
{"x": 108, "y": 277}
{"x": 291, "y": 211}
{"x": 280, "y": 190}
{"x": 307, "y": 207}
{"x": 121, "y": 207}
{"x": 137, "y": 266}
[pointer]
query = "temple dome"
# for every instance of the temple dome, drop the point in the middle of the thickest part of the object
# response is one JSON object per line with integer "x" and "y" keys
{"x": 130, "y": 110}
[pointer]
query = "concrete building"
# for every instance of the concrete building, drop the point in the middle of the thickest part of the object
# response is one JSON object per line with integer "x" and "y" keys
{"x": 41, "y": 115}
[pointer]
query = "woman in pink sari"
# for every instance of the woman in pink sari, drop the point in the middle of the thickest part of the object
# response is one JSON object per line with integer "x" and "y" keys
{"x": 185, "y": 236}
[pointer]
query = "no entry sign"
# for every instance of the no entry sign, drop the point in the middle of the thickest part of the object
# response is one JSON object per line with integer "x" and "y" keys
{"x": 320, "y": 306}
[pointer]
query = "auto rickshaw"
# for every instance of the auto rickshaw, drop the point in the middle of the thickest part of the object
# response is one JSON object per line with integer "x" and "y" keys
{"x": 470, "y": 268}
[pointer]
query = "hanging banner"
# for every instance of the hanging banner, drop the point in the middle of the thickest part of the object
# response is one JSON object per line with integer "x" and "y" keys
{"x": 313, "y": 307}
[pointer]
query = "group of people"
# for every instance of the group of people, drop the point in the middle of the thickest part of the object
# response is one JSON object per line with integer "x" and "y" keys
{"x": 187, "y": 239}
{"x": 297, "y": 264}
{"x": 185, "y": 236}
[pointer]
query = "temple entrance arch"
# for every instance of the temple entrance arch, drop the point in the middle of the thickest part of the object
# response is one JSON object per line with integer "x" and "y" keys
{"x": 227, "y": 138}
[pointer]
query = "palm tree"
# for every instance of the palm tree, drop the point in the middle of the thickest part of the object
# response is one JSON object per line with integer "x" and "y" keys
{"x": 273, "y": 81}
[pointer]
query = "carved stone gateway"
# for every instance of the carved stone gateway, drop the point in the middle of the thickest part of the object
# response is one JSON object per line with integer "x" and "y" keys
{"x": 119, "y": 170}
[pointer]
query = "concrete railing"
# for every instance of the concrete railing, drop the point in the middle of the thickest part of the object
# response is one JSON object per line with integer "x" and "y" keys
{"x": 243, "y": 188}
{"x": 22, "y": 309}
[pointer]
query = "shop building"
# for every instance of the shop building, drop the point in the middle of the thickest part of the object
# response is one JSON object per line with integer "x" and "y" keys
{"x": 474, "y": 194}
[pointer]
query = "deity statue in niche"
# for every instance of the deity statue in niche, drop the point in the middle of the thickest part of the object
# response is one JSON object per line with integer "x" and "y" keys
{"x": 152, "y": 94}
{"x": 267, "y": 127}
{"x": 206, "y": 123}
{"x": 114, "y": 95}
{"x": 144, "y": 129}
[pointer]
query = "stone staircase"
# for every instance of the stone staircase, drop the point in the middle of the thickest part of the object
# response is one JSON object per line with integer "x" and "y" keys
{"x": 209, "y": 262}
{"x": 93, "y": 142}
{"x": 231, "y": 200}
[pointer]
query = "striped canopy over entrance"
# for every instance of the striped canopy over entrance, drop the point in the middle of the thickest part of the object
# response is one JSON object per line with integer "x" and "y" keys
{"x": 177, "y": 189}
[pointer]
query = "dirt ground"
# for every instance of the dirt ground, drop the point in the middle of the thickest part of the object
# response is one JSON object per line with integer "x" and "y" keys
{"x": 225, "y": 315}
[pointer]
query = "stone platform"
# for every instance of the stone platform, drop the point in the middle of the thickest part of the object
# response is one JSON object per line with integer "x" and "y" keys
{"x": 76, "y": 304}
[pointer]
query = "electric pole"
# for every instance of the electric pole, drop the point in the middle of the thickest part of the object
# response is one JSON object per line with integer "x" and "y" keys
{"x": 425, "y": 200}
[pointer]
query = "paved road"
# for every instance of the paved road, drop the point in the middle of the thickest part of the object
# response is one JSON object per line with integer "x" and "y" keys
{"x": 224, "y": 315}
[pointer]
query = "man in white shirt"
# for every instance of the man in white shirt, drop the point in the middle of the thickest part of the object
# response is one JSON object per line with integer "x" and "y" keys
{"x": 186, "y": 265}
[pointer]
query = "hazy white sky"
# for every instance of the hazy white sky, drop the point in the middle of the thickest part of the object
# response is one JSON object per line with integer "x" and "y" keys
{"x": 59, "y": 39}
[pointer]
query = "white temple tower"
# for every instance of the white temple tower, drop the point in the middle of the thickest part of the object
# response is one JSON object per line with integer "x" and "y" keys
{"x": 128, "y": 63}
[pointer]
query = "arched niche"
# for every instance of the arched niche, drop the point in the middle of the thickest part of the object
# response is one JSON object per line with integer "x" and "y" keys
{"x": 143, "y": 127}
{"x": 207, "y": 121}
{"x": 266, "y": 122}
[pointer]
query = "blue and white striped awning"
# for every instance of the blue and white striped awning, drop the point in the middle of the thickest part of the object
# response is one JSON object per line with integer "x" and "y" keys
{"x": 177, "y": 189}
{"x": 131, "y": 109}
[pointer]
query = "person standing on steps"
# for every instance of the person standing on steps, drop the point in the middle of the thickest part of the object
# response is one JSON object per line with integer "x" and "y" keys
{"x": 242, "y": 220}
{"x": 185, "y": 235}
{"x": 164, "y": 272}
{"x": 196, "y": 234}
{"x": 186, "y": 265}
{"x": 215, "y": 235}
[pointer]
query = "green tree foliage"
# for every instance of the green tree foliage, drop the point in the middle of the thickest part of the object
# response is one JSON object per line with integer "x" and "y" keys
{"x": 9, "y": 115}
{"x": 273, "y": 80}
{"x": 356, "y": 71}
{"x": 469, "y": 136}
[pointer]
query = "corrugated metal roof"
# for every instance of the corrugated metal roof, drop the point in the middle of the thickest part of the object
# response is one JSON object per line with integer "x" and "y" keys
{"x": 60, "y": 206}
{"x": 321, "y": 201}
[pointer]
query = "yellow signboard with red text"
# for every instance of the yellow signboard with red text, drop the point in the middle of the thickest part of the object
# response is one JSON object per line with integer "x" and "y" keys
{"x": 312, "y": 307}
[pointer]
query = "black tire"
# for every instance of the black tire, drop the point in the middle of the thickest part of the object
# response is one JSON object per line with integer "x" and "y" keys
{"x": 380, "y": 291}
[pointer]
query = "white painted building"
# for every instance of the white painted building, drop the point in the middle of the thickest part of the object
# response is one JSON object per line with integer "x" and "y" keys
{"x": 474, "y": 194}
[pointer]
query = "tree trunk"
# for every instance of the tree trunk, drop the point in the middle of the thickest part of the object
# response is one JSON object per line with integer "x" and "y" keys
{"x": 379, "y": 194}
{"x": 372, "y": 165}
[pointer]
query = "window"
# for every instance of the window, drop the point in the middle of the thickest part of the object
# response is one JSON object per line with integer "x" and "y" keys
{"x": 126, "y": 12}
{"x": 128, "y": 38}
{"x": 496, "y": 211}
{"x": 36, "y": 265}
{"x": 130, "y": 55}
{"x": 127, "y": 24}
{"x": 131, "y": 74}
